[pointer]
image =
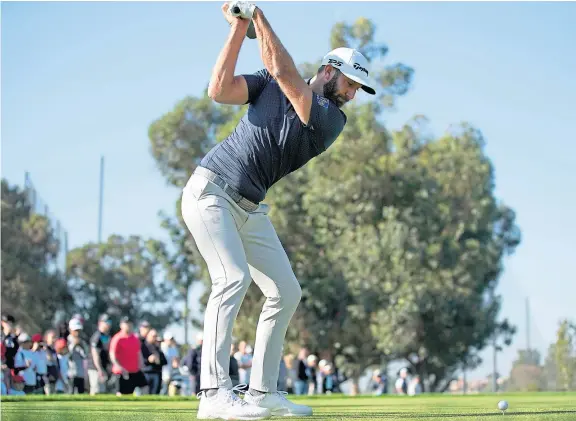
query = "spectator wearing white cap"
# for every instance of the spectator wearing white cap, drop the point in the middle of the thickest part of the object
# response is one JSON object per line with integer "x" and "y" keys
{"x": 170, "y": 350}
{"x": 77, "y": 362}
{"x": 401, "y": 384}
{"x": 25, "y": 358}
{"x": 320, "y": 376}
{"x": 312, "y": 361}
{"x": 75, "y": 328}
{"x": 379, "y": 384}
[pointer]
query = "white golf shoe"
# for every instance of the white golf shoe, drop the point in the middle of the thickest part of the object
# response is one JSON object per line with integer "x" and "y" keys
{"x": 278, "y": 404}
{"x": 226, "y": 405}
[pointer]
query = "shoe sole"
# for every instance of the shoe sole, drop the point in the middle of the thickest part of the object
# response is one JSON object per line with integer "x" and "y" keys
{"x": 286, "y": 413}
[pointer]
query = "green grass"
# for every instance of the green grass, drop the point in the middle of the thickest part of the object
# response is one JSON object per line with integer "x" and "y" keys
{"x": 536, "y": 407}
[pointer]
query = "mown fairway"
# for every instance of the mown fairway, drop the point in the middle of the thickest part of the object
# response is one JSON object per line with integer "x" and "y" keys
{"x": 539, "y": 407}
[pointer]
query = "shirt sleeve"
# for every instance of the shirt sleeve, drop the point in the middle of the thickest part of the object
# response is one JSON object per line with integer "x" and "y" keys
{"x": 95, "y": 341}
{"x": 19, "y": 360}
{"x": 146, "y": 352}
{"x": 33, "y": 358}
{"x": 256, "y": 83}
{"x": 326, "y": 120}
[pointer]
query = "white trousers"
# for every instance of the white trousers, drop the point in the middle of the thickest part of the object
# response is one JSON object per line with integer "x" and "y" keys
{"x": 239, "y": 246}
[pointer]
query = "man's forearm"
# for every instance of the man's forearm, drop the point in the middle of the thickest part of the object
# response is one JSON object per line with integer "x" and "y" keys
{"x": 223, "y": 72}
{"x": 274, "y": 56}
{"x": 96, "y": 359}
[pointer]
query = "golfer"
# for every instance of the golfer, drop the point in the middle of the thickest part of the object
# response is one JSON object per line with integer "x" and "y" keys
{"x": 289, "y": 121}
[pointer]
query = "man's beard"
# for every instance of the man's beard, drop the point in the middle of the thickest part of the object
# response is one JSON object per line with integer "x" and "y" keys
{"x": 331, "y": 93}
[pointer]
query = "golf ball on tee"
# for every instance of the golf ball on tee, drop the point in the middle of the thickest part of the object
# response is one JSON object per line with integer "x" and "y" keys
{"x": 502, "y": 405}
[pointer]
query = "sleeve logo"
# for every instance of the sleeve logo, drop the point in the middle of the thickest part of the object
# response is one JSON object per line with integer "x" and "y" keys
{"x": 323, "y": 102}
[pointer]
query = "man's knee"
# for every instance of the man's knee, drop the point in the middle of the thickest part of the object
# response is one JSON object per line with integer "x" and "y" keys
{"x": 291, "y": 295}
{"x": 231, "y": 286}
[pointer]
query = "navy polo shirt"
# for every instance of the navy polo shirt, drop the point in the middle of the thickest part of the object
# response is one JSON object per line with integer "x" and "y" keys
{"x": 271, "y": 141}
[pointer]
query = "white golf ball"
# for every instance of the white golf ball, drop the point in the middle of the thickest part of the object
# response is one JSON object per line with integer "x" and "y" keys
{"x": 502, "y": 405}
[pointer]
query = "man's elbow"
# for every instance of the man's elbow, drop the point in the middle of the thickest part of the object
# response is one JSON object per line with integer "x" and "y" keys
{"x": 220, "y": 92}
{"x": 215, "y": 93}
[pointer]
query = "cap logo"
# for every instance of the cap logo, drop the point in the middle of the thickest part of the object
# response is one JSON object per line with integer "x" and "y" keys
{"x": 362, "y": 69}
{"x": 335, "y": 62}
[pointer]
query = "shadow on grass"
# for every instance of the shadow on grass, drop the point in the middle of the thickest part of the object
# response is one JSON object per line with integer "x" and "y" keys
{"x": 397, "y": 415}
{"x": 538, "y": 413}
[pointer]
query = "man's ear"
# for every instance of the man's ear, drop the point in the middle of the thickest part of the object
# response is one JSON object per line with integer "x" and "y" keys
{"x": 328, "y": 73}
{"x": 332, "y": 72}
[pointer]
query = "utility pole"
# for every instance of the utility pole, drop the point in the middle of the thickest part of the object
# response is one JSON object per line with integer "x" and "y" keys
{"x": 100, "y": 204}
{"x": 527, "y": 324}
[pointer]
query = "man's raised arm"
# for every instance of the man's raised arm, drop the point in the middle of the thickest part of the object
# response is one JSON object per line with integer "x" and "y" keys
{"x": 282, "y": 68}
{"x": 224, "y": 87}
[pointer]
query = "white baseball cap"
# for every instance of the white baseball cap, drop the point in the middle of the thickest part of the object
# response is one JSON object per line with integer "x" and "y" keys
{"x": 168, "y": 336}
{"x": 75, "y": 324}
{"x": 353, "y": 65}
{"x": 24, "y": 337}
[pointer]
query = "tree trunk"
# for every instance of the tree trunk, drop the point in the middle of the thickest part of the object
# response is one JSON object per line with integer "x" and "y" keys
{"x": 186, "y": 311}
{"x": 420, "y": 370}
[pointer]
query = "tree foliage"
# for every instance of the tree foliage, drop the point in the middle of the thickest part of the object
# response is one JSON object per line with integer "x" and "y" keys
{"x": 34, "y": 290}
{"x": 527, "y": 373}
{"x": 396, "y": 236}
{"x": 565, "y": 356}
{"x": 122, "y": 277}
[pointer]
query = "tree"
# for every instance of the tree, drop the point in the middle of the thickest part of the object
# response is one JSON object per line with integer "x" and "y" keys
{"x": 33, "y": 289}
{"x": 549, "y": 370}
{"x": 565, "y": 356}
{"x": 421, "y": 249}
{"x": 122, "y": 277}
{"x": 527, "y": 373}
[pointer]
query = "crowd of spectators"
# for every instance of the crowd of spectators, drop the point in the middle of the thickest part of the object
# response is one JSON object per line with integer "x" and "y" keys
{"x": 68, "y": 360}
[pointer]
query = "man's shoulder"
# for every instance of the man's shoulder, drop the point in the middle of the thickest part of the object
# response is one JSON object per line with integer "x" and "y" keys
{"x": 96, "y": 336}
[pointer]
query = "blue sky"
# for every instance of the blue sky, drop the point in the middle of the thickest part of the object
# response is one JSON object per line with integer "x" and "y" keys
{"x": 81, "y": 80}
